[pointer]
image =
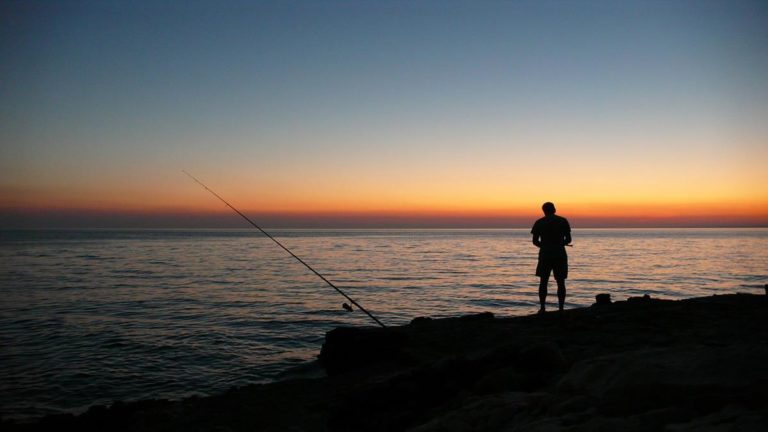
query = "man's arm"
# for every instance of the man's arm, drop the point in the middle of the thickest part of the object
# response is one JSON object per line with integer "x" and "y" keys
{"x": 567, "y": 236}
{"x": 536, "y": 234}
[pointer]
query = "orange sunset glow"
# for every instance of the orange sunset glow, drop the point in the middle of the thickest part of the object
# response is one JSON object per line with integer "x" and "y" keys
{"x": 431, "y": 127}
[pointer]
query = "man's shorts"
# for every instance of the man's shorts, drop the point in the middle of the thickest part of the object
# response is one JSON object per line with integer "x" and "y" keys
{"x": 558, "y": 266}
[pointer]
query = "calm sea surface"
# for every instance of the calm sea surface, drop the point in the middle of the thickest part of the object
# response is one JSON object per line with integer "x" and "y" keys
{"x": 89, "y": 317}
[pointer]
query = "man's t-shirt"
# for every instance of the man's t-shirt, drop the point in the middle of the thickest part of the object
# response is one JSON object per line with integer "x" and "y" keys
{"x": 552, "y": 229}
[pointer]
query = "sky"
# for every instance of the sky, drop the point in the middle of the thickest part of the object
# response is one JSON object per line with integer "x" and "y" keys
{"x": 383, "y": 114}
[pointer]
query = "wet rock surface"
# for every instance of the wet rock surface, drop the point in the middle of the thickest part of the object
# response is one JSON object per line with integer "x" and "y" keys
{"x": 637, "y": 365}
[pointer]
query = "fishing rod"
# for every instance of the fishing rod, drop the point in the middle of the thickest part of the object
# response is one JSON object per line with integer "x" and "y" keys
{"x": 289, "y": 251}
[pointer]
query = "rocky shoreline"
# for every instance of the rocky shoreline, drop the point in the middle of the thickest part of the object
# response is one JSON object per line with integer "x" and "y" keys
{"x": 637, "y": 365}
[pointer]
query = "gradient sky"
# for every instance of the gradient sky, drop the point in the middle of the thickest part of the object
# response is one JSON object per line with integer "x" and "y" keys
{"x": 341, "y": 113}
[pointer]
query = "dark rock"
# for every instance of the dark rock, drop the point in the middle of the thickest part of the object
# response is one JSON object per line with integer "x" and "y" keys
{"x": 543, "y": 356}
{"x": 500, "y": 380}
{"x": 488, "y": 413}
{"x": 644, "y": 299}
{"x": 603, "y": 299}
{"x": 421, "y": 320}
{"x": 579, "y": 403}
{"x": 95, "y": 409}
{"x": 477, "y": 317}
{"x": 347, "y": 348}
{"x": 402, "y": 400}
{"x": 731, "y": 418}
{"x": 539, "y": 363}
{"x": 58, "y": 420}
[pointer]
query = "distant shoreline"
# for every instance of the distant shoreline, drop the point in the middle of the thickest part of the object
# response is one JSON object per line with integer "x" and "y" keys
{"x": 591, "y": 228}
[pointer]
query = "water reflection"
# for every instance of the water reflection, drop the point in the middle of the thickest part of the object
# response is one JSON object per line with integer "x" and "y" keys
{"x": 102, "y": 315}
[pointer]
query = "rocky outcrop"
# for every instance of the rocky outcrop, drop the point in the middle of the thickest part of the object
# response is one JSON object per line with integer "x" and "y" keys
{"x": 638, "y": 365}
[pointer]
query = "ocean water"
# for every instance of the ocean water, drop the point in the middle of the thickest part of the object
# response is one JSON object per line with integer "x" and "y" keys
{"x": 90, "y": 317}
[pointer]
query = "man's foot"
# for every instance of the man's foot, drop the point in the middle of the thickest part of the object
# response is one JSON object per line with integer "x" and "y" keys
{"x": 541, "y": 311}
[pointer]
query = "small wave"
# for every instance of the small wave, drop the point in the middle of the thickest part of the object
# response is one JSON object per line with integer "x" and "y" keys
{"x": 132, "y": 272}
{"x": 162, "y": 263}
{"x": 498, "y": 303}
{"x": 752, "y": 286}
{"x": 406, "y": 278}
{"x": 468, "y": 258}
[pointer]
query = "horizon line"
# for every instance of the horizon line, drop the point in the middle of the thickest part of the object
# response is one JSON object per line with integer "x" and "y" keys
{"x": 367, "y": 228}
{"x": 121, "y": 219}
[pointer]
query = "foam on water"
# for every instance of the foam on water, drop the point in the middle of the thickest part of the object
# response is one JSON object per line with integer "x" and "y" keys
{"x": 95, "y": 316}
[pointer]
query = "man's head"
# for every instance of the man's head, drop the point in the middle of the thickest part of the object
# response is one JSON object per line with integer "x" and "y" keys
{"x": 548, "y": 208}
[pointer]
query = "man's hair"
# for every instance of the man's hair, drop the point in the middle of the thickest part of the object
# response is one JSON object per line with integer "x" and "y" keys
{"x": 548, "y": 208}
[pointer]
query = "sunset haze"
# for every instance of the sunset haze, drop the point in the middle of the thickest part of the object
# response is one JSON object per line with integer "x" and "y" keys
{"x": 394, "y": 114}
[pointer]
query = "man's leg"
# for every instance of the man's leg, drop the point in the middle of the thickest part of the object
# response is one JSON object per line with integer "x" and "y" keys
{"x": 543, "y": 292}
{"x": 560, "y": 293}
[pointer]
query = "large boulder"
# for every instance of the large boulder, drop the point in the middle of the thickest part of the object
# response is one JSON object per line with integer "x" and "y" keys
{"x": 349, "y": 348}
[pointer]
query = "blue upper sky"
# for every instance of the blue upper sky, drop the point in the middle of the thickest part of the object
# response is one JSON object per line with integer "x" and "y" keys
{"x": 122, "y": 92}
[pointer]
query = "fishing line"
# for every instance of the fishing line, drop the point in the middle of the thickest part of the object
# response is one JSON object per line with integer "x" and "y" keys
{"x": 288, "y": 250}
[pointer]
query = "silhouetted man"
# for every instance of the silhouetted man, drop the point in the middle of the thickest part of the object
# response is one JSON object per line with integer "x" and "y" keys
{"x": 550, "y": 234}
